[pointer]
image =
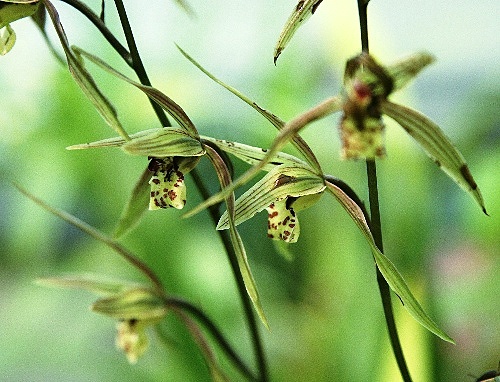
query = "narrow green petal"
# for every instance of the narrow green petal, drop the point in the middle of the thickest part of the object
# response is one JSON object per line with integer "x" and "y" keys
{"x": 98, "y": 284}
{"x": 133, "y": 304}
{"x": 7, "y": 39}
{"x": 239, "y": 249}
{"x": 253, "y": 155}
{"x": 280, "y": 183}
{"x": 99, "y": 236}
{"x": 163, "y": 100}
{"x": 303, "y": 10}
{"x": 112, "y": 142}
{"x": 388, "y": 270}
{"x": 406, "y": 69}
{"x": 166, "y": 142}
{"x": 84, "y": 79}
{"x": 136, "y": 206}
{"x": 296, "y": 140}
{"x": 439, "y": 148}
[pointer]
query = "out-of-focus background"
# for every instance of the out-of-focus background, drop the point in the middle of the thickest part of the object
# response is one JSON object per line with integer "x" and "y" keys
{"x": 323, "y": 306}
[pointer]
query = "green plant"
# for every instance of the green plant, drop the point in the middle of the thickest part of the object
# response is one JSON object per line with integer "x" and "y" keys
{"x": 291, "y": 184}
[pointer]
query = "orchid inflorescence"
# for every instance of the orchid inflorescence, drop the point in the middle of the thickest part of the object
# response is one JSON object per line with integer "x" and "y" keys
{"x": 290, "y": 184}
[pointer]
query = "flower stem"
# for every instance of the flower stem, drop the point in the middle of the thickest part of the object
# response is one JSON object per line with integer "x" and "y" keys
{"x": 375, "y": 224}
{"x": 138, "y": 67}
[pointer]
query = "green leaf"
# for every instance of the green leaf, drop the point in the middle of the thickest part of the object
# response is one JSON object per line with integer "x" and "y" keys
{"x": 388, "y": 270}
{"x": 281, "y": 182}
{"x": 297, "y": 141}
{"x": 239, "y": 249}
{"x": 134, "y": 304}
{"x": 161, "y": 99}
{"x": 303, "y": 10}
{"x": 84, "y": 79}
{"x": 7, "y": 40}
{"x": 437, "y": 146}
{"x": 136, "y": 206}
{"x": 11, "y": 11}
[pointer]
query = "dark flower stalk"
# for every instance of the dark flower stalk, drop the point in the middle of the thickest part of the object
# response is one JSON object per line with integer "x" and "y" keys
{"x": 375, "y": 223}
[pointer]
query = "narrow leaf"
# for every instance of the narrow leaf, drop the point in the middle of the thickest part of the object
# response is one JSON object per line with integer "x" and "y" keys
{"x": 303, "y": 10}
{"x": 239, "y": 249}
{"x": 388, "y": 270}
{"x": 297, "y": 141}
{"x": 136, "y": 206}
{"x": 84, "y": 79}
{"x": 437, "y": 146}
{"x": 161, "y": 99}
{"x": 279, "y": 183}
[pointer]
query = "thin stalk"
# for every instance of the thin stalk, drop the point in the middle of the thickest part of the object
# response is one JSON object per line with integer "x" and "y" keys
{"x": 137, "y": 64}
{"x": 200, "y": 316}
{"x": 376, "y": 227}
{"x": 99, "y": 24}
{"x": 138, "y": 67}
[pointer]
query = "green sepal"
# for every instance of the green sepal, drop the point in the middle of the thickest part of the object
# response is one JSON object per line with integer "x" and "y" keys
{"x": 239, "y": 249}
{"x": 166, "y": 142}
{"x": 160, "y": 143}
{"x": 254, "y": 155}
{"x": 94, "y": 283}
{"x": 296, "y": 140}
{"x": 386, "y": 267}
{"x": 136, "y": 205}
{"x": 156, "y": 95}
{"x": 403, "y": 71}
{"x": 303, "y": 10}
{"x": 141, "y": 304}
{"x": 437, "y": 146}
{"x": 83, "y": 78}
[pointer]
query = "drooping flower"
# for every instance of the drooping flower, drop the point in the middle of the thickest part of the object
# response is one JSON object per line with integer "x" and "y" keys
{"x": 135, "y": 307}
{"x": 172, "y": 152}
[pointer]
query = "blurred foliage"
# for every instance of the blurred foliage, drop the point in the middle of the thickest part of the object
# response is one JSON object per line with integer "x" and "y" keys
{"x": 323, "y": 306}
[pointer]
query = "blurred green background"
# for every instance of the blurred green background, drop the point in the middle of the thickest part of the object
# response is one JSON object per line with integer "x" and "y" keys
{"x": 323, "y": 306}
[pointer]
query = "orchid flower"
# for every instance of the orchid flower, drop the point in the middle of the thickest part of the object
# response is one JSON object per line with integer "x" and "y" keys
{"x": 135, "y": 308}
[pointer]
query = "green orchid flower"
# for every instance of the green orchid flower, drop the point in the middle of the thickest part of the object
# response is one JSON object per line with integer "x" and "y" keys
{"x": 173, "y": 152}
{"x": 134, "y": 306}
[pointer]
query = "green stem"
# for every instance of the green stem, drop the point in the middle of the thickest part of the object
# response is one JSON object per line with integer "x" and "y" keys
{"x": 247, "y": 305}
{"x": 137, "y": 64}
{"x": 376, "y": 227}
{"x": 201, "y": 317}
